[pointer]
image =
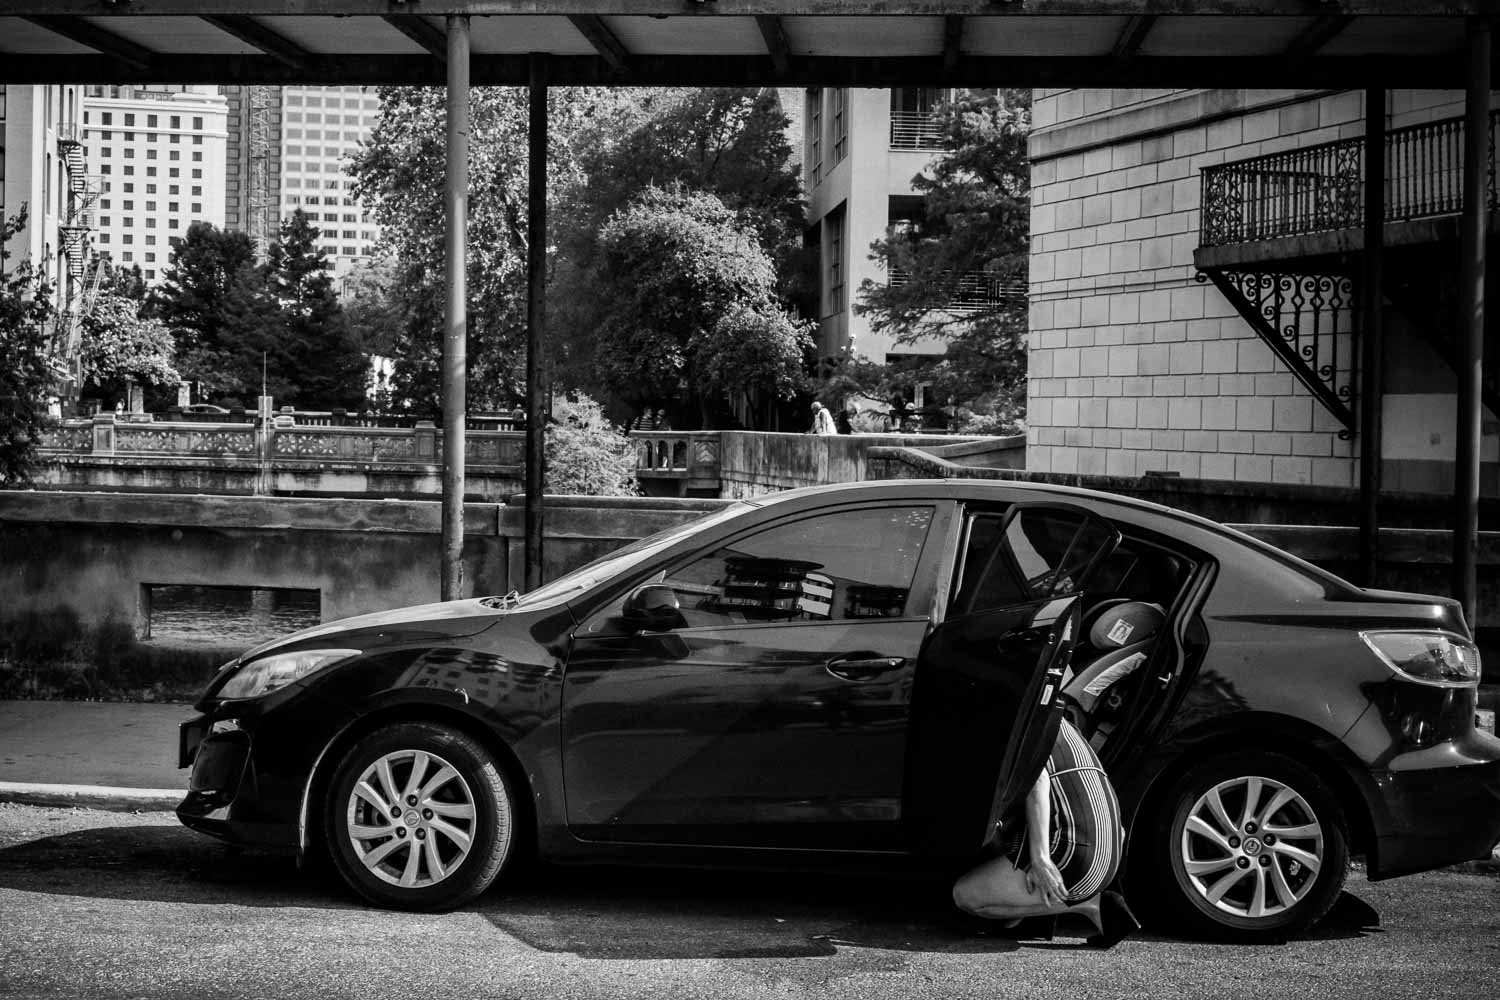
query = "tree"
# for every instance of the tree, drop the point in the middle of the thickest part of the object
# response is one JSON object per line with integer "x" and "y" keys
{"x": 120, "y": 346}
{"x": 728, "y": 142}
{"x": 976, "y": 221}
{"x": 204, "y": 301}
{"x": 586, "y": 454}
{"x": 315, "y": 357}
{"x": 691, "y": 308}
{"x": 25, "y": 312}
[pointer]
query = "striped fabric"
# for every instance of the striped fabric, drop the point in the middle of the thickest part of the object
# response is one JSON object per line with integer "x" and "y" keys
{"x": 1087, "y": 836}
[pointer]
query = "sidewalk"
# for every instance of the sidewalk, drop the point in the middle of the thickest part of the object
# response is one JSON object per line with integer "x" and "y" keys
{"x": 99, "y": 755}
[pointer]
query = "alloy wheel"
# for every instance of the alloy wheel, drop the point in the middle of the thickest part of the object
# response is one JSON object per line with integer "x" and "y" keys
{"x": 411, "y": 818}
{"x": 1252, "y": 847}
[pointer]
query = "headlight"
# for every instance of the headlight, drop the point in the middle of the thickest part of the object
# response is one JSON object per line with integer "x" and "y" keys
{"x": 269, "y": 673}
{"x": 1437, "y": 658}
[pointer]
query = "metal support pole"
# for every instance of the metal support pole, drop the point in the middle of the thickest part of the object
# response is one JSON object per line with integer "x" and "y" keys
{"x": 455, "y": 318}
{"x": 1470, "y": 332}
{"x": 1372, "y": 336}
{"x": 536, "y": 318}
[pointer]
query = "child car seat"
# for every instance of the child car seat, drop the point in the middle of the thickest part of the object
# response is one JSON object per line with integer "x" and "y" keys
{"x": 1123, "y": 631}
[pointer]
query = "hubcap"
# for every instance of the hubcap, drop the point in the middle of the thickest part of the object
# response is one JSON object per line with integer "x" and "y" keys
{"x": 1252, "y": 847}
{"x": 424, "y": 844}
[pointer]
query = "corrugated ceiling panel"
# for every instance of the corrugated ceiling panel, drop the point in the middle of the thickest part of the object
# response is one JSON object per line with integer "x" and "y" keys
{"x": 516, "y": 34}
{"x": 17, "y": 35}
{"x": 173, "y": 35}
{"x": 865, "y": 36}
{"x": 1041, "y": 36}
{"x": 343, "y": 35}
{"x": 675, "y": 36}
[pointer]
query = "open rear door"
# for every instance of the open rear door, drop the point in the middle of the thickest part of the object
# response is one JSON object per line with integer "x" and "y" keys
{"x": 985, "y": 706}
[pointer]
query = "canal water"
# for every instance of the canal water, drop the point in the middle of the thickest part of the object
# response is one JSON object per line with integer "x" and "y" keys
{"x": 230, "y": 616}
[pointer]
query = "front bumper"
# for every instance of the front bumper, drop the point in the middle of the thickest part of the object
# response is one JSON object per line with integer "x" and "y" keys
{"x": 1441, "y": 806}
{"x": 251, "y": 763}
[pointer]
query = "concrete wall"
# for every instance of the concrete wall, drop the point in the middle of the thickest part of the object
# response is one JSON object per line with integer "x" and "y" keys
{"x": 1134, "y": 365}
{"x": 94, "y": 553}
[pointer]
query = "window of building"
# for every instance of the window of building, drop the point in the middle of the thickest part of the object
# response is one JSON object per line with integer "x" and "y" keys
{"x": 151, "y": 121}
{"x": 833, "y": 246}
{"x": 173, "y": 172}
{"x": 150, "y": 171}
{"x": 128, "y": 206}
{"x": 107, "y": 118}
{"x": 150, "y": 154}
{"x": 104, "y": 153}
{"x": 172, "y": 206}
{"x": 130, "y": 137}
{"x": 294, "y": 150}
{"x": 839, "y": 96}
{"x": 174, "y": 139}
{"x": 150, "y": 257}
{"x": 174, "y": 223}
{"x": 106, "y": 136}
{"x": 197, "y": 156}
{"x": 197, "y": 140}
{"x": 150, "y": 136}
{"x": 176, "y": 121}
{"x": 173, "y": 154}
{"x": 197, "y": 208}
{"x": 129, "y": 170}
{"x": 174, "y": 240}
{"x": 197, "y": 190}
{"x": 103, "y": 237}
{"x": 815, "y": 136}
{"x": 150, "y": 223}
{"x": 197, "y": 172}
{"x": 350, "y": 234}
{"x": 330, "y": 217}
{"x": 150, "y": 188}
{"x": 150, "y": 274}
{"x": 172, "y": 188}
{"x": 350, "y": 251}
{"x": 105, "y": 169}
{"x": 128, "y": 237}
{"x": 127, "y": 256}
{"x": 150, "y": 205}
{"x": 129, "y": 120}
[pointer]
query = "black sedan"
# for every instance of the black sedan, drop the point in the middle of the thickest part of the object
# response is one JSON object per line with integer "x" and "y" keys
{"x": 873, "y": 674}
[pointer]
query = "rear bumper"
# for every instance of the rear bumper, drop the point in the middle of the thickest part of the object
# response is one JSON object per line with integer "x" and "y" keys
{"x": 1438, "y": 806}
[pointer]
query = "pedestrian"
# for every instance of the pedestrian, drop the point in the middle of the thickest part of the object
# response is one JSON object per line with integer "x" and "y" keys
{"x": 822, "y": 420}
{"x": 645, "y": 422}
{"x": 663, "y": 422}
{"x": 1065, "y": 856}
{"x": 845, "y": 420}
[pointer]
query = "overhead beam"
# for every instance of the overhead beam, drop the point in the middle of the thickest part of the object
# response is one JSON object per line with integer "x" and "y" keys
{"x": 252, "y": 32}
{"x": 1133, "y": 36}
{"x": 1323, "y": 29}
{"x": 1340, "y": 72}
{"x": 86, "y": 33}
{"x": 419, "y": 31}
{"x": 592, "y": 27}
{"x": 953, "y": 39}
{"x": 777, "y": 43}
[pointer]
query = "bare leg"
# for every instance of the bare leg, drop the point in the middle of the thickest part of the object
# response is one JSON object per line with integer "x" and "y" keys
{"x": 998, "y": 890}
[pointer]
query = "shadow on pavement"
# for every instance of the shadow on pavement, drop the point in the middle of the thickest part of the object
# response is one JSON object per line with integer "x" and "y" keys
{"x": 164, "y": 864}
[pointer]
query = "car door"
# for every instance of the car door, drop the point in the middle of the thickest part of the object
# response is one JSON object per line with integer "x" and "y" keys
{"x": 985, "y": 707}
{"x": 766, "y": 702}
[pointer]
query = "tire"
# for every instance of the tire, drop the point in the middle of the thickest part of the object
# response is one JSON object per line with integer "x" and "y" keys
{"x": 432, "y": 856}
{"x": 1216, "y": 872}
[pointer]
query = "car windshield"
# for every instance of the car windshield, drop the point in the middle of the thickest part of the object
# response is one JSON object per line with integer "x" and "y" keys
{"x": 623, "y": 559}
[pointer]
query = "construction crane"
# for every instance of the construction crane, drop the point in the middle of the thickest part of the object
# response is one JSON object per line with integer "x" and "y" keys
{"x": 263, "y": 207}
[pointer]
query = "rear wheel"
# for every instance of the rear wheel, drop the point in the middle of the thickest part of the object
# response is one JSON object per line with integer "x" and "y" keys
{"x": 1248, "y": 846}
{"x": 419, "y": 817}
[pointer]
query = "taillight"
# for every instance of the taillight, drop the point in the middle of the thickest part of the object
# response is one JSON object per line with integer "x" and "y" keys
{"x": 1440, "y": 659}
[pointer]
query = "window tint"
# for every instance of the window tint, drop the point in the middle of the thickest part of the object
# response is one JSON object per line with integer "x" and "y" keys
{"x": 846, "y": 565}
{"x": 1042, "y": 554}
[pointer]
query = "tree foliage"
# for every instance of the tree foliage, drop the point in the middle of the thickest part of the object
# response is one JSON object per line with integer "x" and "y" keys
{"x": 239, "y": 326}
{"x": 119, "y": 345}
{"x": 586, "y": 455}
{"x": 691, "y": 311}
{"x": 975, "y": 221}
{"x": 25, "y": 312}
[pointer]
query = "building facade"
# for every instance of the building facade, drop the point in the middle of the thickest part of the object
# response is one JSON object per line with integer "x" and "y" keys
{"x": 322, "y": 127}
{"x": 159, "y": 155}
{"x": 1194, "y": 286}
{"x": 860, "y": 150}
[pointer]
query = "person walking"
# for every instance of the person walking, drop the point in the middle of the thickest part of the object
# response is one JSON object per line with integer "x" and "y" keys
{"x": 822, "y": 420}
{"x": 1066, "y": 855}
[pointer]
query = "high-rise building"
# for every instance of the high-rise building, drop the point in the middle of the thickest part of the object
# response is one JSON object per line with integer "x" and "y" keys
{"x": 159, "y": 154}
{"x": 42, "y": 167}
{"x": 252, "y": 160}
{"x": 321, "y": 127}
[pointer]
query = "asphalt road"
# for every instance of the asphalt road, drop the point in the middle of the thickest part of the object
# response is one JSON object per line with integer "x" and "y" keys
{"x": 97, "y": 904}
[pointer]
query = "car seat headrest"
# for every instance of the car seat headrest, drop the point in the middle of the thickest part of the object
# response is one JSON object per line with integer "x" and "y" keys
{"x": 1126, "y": 623}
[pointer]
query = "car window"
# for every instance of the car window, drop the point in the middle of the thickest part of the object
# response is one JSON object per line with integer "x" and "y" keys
{"x": 841, "y": 565}
{"x": 1041, "y": 554}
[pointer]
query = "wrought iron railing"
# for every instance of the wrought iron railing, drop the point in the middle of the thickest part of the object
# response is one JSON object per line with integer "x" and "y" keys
{"x": 916, "y": 130}
{"x": 976, "y": 290}
{"x": 1321, "y": 188}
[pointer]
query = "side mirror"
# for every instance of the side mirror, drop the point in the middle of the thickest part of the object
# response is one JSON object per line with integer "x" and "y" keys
{"x": 653, "y": 608}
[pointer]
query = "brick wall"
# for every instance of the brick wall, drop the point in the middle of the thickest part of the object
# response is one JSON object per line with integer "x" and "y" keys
{"x": 1135, "y": 366}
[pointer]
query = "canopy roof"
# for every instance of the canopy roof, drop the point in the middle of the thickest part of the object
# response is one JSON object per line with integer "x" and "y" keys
{"x": 1263, "y": 43}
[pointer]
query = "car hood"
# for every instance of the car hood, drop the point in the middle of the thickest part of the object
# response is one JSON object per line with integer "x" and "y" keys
{"x": 446, "y": 619}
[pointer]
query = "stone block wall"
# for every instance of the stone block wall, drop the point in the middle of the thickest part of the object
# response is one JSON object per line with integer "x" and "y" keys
{"x": 1135, "y": 366}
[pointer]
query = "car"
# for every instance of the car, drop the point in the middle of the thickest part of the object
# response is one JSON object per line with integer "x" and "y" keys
{"x": 871, "y": 674}
{"x": 204, "y": 408}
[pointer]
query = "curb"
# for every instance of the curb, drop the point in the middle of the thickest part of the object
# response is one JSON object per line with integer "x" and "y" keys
{"x": 92, "y": 796}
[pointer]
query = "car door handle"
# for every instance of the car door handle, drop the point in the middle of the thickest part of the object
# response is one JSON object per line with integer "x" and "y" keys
{"x": 859, "y": 670}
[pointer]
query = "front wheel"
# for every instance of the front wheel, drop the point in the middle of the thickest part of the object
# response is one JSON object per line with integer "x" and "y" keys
{"x": 1249, "y": 846}
{"x": 419, "y": 817}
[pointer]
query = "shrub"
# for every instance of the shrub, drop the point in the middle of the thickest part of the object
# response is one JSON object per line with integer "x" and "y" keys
{"x": 586, "y": 454}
